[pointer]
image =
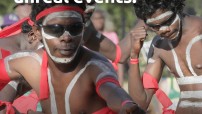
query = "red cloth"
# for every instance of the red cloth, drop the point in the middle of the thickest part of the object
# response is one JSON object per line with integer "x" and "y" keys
{"x": 44, "y": 88}
{"x": 105, "y": 110}
{"x": 150, "y": 82}
{"x": 9, "y": 108}
{"x": 5, "y": 53}
{"x": 4, "y": 78}
{"x": 24, "y": 103}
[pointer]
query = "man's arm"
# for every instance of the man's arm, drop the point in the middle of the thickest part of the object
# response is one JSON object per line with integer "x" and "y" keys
{"x": 153, "y": 71}
{"x": 8, "y": 93}
{"x": 138, "y": 92}
{"x": 98, "y": 42}
{"x": 108, "y": 88}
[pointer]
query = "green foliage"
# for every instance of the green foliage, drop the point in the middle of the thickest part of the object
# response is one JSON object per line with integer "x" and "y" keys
{"x": 119, "y": 12}
{"x": 123, "y": 16}
{"x": 6, "y": 6}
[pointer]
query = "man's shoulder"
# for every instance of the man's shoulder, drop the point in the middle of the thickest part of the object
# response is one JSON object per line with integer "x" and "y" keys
{"x": 99, "y": 66}
{"x": 97, "y": 60}
{"x": 194, "y": 24}
{"x": 25, "y": 56}
{"x": 195, "y": 21}
{"x": 93, "y": 55}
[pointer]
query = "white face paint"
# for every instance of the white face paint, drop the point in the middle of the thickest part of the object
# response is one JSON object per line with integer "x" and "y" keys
{"x": 176, "y": 19}
{"x": 63, "y": 14}
{"x": 162, "y": 28}
{"x": 163, "y": 15}
{"x": 61, "y": 60}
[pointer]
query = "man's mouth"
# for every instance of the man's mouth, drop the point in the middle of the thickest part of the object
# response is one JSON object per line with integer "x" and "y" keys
{"x": 66, "y": 51}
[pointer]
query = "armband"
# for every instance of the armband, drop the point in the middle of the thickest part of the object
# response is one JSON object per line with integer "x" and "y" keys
{"x": 105, "y": 80}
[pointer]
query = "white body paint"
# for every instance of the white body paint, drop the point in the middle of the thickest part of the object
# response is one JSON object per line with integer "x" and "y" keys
{"x": 163, "y": 15}
{"x": 151, "y": 61}
{"x": 187, "y": 80}
{"x": 177, "y": 66}
{"x": 100, "y": 64}
{"x": 188, "y": 55}
{"x": 188, "y": 104}
{"x": 191, "y": 94}
{"x": 14, "y": 84}
{"x": 19, "y": 55}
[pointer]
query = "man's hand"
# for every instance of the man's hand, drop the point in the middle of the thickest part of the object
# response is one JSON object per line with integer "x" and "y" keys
{"x": 131, "y": 108}
{"x": 137, "y": 35}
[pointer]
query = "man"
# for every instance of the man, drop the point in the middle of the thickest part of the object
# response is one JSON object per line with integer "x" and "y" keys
{"x": 177, "y": 48}
{"x": 13, "y": 44}
{"x": 9, "y": 92}
{"x": 64, "y": 66}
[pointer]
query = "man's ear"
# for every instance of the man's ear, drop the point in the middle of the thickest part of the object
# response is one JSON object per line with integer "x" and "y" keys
{"x": 34, "y": 35}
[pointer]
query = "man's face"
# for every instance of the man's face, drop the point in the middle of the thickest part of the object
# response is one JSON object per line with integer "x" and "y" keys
{"x": 98, "y": 21}
{"x": 62, "y": 34}
{"x": 165, "y": 23}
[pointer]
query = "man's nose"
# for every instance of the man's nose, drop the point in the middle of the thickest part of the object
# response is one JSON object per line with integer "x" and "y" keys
{"x": 66, "y": 37}
{"x": 164, "y": 29}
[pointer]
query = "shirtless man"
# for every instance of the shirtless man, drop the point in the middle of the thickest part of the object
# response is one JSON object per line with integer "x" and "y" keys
{"x": 13, "y": 44}
{"x": 103, "y": 45}
{"x": 58, "y": 71}
{"x": 177, "y": 48}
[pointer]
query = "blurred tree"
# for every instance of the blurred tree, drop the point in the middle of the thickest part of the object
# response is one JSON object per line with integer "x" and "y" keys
{"x": 122, "y": 15}
{"x": 6, "y": 6}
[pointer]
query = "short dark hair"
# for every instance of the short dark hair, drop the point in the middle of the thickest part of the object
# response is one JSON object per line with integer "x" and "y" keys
{"x": 145, "y": 8}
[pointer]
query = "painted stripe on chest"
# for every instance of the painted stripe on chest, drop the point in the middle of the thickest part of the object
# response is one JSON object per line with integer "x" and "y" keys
{"x": 189, "y": 80}
{"x": 191, "y": 94}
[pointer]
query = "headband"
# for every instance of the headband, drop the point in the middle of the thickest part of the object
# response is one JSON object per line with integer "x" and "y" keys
{"x": 16, "y": 27}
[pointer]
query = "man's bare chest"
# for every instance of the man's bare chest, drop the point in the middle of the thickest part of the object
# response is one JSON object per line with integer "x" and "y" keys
{"x": 185, "y": 60}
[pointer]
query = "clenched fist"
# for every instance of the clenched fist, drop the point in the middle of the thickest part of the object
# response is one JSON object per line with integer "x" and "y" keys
{"x": 137, "y": 35}
{"x": 131, "y": 108}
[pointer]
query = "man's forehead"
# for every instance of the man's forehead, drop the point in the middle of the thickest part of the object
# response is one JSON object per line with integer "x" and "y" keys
{"x": 158, "y": 16}
{"x": 63, "y": 14}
